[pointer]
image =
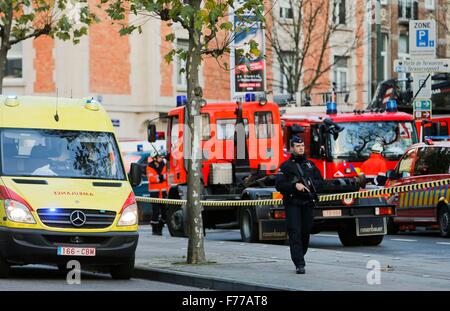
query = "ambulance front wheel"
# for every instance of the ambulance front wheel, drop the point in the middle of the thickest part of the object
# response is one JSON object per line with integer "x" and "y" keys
{"x": 4, "y": 268}
{"x": 175, "y": 221}
{"x": 444, "y": 221}
{"x": 123, "y": 271}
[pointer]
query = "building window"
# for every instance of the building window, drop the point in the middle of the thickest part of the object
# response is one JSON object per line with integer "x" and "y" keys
{"x": 286, "y": 13}
{"x": 14, "y": 62}
{"x": 408, "y": 9}
{"x": 385, "y": 55}
{"x": 285, "y": 71}
{"x": 403, "y": 46}
{"x": 340, "y": 73}
{"x": 339, "y": 12}
{"x": 429, "y": 4}
{"x": 181, "y": 63}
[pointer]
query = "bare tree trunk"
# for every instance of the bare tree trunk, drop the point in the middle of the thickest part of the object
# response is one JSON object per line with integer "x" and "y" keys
{"x": 5, "y": 33}
{"x": 196, "y": 251}
{"x": 3, "y": 59}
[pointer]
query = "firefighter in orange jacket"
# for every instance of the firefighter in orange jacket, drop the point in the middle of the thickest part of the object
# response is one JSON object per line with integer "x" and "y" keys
{"x": 157, "y": 185}
{"x": 375, "y": 167}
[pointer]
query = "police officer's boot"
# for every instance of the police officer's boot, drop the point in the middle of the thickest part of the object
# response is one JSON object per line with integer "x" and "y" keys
{"x": 156, "y": 230}
{"x": 160, "y": 227}
{"x": 300, "y": 270}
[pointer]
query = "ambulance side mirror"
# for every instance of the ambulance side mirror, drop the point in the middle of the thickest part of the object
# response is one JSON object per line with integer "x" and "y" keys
{"x": 135, "y": 174}
{"x": 151, "y": 133}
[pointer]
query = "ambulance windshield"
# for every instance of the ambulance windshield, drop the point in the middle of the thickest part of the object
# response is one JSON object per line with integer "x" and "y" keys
{"x": 57, "y": 153}
{"x": 356, "y": 140}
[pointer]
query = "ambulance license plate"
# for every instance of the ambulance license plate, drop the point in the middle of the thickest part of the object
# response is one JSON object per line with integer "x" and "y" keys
{"x": 332, "y": 213}
{"x": 76, "y": 251}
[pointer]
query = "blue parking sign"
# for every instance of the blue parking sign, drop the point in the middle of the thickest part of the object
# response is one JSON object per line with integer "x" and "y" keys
{"x": 422, "y": 38}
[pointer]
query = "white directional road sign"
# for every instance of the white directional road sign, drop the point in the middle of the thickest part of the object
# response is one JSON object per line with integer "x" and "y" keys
{"x": 420, "y": 84}
{"x": 422, "y": 38}
{"x": 422, "y": 109}
{"x": 422, "y": 65}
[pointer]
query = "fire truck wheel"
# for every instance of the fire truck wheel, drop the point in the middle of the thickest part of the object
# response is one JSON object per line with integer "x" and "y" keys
{"x": 175, "y": 221}
{"x": 444, "y": 221}
{"x": 347, "y": 234}
{"x": 392, "y": 227}
{"x": 248, "y": 224}
{"x": 4, "y": 268}
{"x": 374, "y": 240}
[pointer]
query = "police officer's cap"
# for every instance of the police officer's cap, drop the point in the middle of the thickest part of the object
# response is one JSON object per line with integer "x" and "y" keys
{"x": 296, "y": 140}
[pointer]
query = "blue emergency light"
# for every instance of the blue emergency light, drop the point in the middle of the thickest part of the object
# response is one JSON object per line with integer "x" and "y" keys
{"x": 391, "y": 106}
{"x": 331, "y": 108}
{"x": 181, "y": 100}
{"x": 250, "y": 97}
{"x": 140, "y": 148}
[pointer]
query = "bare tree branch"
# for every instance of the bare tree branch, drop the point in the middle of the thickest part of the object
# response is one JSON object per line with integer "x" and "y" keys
{"x": 301, "y": 44}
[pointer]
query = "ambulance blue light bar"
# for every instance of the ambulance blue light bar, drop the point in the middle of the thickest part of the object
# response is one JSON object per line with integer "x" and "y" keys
{"x": 181, "y": 100}
{"x": 250, "y": 97}
{"x": 391, "y": 106}
{"x": 331, "y": 108}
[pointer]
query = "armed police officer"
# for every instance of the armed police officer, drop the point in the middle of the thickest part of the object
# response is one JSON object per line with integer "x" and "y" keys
{"x": 298, "y": 180}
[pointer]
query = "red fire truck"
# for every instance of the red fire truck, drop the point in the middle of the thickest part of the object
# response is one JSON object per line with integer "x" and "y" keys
{"x": 338, "y": 143}
{"x": 242, "y": 145}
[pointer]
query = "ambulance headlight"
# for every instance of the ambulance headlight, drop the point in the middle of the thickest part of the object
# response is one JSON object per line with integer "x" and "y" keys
{"x": 18, "y": 212}
{"x": 129, "y": 216}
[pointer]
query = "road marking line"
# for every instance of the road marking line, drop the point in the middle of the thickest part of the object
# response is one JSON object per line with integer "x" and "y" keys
{"x": 443, "y": 243}
{"x": 327, "y": 235}
{"x": 403, "y": 240}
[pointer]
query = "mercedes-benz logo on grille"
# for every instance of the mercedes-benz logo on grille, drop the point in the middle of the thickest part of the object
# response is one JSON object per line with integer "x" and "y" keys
{"x": 78, "y": 218}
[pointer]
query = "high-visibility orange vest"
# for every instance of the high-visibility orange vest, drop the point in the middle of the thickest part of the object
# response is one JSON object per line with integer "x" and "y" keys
{"x": 153, "y": 178}
{"x": 375, "y": 165}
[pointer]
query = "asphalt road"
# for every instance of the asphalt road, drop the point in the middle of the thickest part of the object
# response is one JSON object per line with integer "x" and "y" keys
{"x": 419, "y": 244}
{"x": 414, "y": 245}
{"x": 48, "y": 278}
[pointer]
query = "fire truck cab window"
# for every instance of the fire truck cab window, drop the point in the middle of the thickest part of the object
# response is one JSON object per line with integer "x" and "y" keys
{"x": 315, "y": 142}
{"x": 174, "y": 139}
{"x": 226, "y": 128}
{"x": 354, "y": 143}
{"x": 264, "y": 124}
{"x": 206, "y": 130}
{"x": 432, "y": 161}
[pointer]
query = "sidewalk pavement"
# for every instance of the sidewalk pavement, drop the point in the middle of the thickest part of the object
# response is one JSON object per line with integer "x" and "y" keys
{"x": 233, "y": 265}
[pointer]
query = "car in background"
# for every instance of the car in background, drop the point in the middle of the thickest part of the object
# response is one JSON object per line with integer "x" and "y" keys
{"x": 429, "y": 207}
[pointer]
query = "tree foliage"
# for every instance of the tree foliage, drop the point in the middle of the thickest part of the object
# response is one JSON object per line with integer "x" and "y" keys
{"x": 210, "y": 34}
{"x": 302, "y": 41}
{"x": 211, "y": 20}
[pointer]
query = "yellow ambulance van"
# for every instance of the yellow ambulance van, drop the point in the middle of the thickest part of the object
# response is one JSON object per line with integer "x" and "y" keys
{"x": 64, "y": 193}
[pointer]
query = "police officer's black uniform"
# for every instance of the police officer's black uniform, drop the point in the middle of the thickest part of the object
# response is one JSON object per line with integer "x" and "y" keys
{"x": 299, "y": 205}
